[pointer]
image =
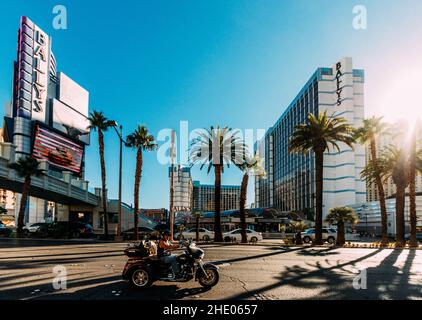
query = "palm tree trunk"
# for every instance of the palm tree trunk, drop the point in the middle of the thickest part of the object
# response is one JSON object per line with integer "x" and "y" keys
{"x": 138, "y": 174}
{"x": 243, "y": 190}
{"x": 319, "y": 167}
{"x": 381, "y": 194}
{"x": 22, "y": 207}
{"x": 412, "y": 192}
{"x": 340, "y": 233}
{"x": 218, "y": 234}
{"x": 103, "y": 179}
{"x": 197, "y": 228}
{"x": 400, "y": 202}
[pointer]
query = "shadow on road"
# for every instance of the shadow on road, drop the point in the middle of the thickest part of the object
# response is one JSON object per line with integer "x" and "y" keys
{"x": 47, "y": 242}
{"x": 314, "y": 252}
{"x": 384, "y": 281}
{"x": 37, "y": 262}
{"x": 109, "y": 288}
{"x": 62, "y": 254}
{"x": 258, "y": 256}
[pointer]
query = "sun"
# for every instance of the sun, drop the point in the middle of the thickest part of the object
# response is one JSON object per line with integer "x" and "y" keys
{"x": 401, "y": 99}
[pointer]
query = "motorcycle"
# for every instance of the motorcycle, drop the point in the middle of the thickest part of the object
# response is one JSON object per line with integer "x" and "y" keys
{"x": 144, "y": 267}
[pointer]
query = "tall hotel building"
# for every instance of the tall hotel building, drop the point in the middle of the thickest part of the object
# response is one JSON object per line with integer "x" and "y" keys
{"x": 191, "y": 196}
{"x": 47, "y": 119}
{"x": 203, "y": 197}
{"x": 290, "y": 182}
{"x": 182, "y": 186}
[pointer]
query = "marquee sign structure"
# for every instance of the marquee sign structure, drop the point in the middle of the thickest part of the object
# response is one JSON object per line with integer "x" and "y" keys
{"x": 32, "y": 74}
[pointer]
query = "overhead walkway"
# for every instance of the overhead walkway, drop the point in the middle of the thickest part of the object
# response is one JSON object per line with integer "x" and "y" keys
{"x": 65, "y": 190}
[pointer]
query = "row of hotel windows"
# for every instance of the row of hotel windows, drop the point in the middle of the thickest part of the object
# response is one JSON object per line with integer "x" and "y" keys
{"x": 291, "y": 173}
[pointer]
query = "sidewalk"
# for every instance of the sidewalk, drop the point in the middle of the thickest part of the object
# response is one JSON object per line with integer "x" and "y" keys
{"x": 263, "y": 243}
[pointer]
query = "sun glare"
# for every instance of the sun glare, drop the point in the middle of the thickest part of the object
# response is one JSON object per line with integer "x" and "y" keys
{"x": 401, "y": 99}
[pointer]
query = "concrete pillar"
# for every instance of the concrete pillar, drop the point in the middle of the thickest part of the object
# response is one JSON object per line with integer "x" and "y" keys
{"x": 8, "y": 151}
{"x": 44, "y": 165}
{"x": 97, "y": 192}
{"x": 62, "y": 212}
{"x": 84, "y": 185}
{"x": 67, "y": 176}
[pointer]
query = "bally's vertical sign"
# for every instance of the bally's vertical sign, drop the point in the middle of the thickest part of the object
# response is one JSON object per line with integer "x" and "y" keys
{"x": 338, "y": 82}
{"x": 40, "y": 74}
{"x": 32, "y": 81}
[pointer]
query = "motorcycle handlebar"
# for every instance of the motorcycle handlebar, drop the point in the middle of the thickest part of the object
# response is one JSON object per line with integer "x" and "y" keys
{"x": 185, "y": 243}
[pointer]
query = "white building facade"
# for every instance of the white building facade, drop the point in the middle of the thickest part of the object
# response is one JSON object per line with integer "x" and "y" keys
{"x": 182, "y": 186}
{"x": 290, "y": 184}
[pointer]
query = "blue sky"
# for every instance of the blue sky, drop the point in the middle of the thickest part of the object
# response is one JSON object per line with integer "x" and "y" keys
{"x": 227, "y": 62}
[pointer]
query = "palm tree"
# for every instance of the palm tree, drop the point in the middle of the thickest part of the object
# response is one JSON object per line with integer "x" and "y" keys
{"x": 367, "y": 134}
{"x": 25, "y": 167}
{"x": 299, "y": 226}
{"x": 415, "y": 165}
{"x": 140, "y": 140}
{"x": 318, "y": 134}
{"x": 249, "y": 166}
{"x": 214, "y": 148}
{"x": 341, "y": 215}
{"x": 412, "y": 189}
{"x": 98, "y": 122}
{"x": 396, "y": 166}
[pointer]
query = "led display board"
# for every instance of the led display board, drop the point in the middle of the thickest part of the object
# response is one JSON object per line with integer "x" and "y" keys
{"x": 59, "y": 151}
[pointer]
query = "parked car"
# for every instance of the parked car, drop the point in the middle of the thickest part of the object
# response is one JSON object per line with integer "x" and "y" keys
{"x": 70, "y": 229}
{"x": 4, "y": 230}
{"x": 328, "y": 234}
{"x": 204, "y": 234}
{"x": 36, "y": 229}
{"x": 418, "y": 237}
{"x": 165, "y": 227}
{"x": 235, "y": 234}
{"x": 143, "y": 232}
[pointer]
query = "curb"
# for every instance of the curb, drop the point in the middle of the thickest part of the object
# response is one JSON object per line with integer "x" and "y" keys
{"x": 61, "y": 240}
{"x": 304, "y": 246}
{"x": 259, "y": 244}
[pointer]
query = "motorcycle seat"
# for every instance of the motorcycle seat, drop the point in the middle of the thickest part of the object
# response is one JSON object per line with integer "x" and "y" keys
{"x": 154, "y": 258}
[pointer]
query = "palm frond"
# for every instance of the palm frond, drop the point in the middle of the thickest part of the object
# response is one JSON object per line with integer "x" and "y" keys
{"x": 26, "y": 167}
{"x": 97, "y": 121}
{"x": 217, "y": 146}
{"x": 141, "y": 139}
{"x": 320, "y": 133}
{"x": 342, "y": 214}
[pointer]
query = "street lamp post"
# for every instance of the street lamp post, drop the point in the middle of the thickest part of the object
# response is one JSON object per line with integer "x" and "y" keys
{"x": 171, "y": 218}
{"x": 120, "y": 135}
{"x": 366, "y": 223}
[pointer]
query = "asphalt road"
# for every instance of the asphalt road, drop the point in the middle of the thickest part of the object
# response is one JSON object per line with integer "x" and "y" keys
{"x": 269, "y": 272}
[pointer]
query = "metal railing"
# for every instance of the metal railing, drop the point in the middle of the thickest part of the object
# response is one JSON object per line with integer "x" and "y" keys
{"x": 73, "y": 189}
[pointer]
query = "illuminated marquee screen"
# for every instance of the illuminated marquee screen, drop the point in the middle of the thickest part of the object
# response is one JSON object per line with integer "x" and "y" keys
{"x": 57, "y": 150}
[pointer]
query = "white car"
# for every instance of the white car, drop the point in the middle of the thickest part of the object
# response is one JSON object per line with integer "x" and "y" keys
{"x": 236, "y": 235}
{"x": 35, "y": 228}
{"x": 328, "y": 234}
{"x": 204, "y": 234}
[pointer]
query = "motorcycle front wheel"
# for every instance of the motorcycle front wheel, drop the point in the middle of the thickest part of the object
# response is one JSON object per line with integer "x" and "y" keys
{"x": 209, "y": 279}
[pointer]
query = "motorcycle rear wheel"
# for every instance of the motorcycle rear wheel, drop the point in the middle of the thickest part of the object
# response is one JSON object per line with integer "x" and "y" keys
{"x": 140, "y": 278}
{"x": 209, "y": 279}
